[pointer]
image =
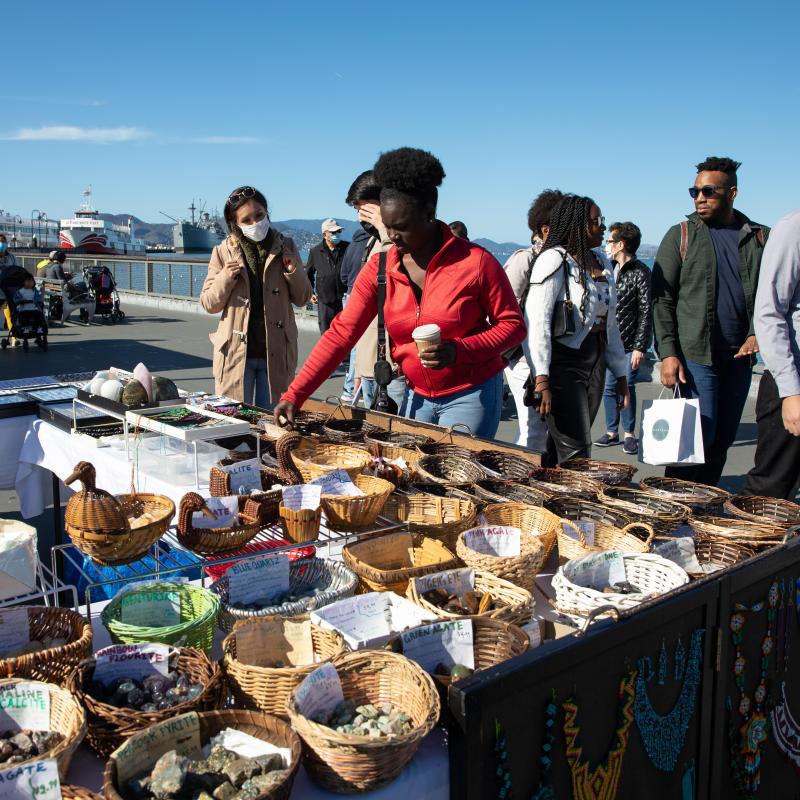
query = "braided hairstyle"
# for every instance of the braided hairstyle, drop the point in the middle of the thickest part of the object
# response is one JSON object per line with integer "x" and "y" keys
{"x": 569, "y": 221}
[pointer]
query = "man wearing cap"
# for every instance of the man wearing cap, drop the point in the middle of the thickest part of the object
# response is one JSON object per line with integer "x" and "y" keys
{"x": 324, "y": 272}
{"x": 52, "y": 267}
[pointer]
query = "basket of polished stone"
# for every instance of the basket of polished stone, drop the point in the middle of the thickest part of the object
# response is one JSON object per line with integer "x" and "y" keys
{"x": 557, "y": 481}
{"x": 507, "y": 466}
{"x": 636, "y": 537}
{"x": 163, "y": 611}
{"x": 55, "y": 641}
{"x": 54, "y": 733}
{"x": 441, "y": 518}
{"x": 313, "y": 583}
{"x": 737, "y": 531}
{"x": 610, "y": 577}
{"x": 503, "y": 491}
{"x": 314, "y": 458}
{"x": 390, "y": 705}
{"x": 700, "y": 498}
{"x": 266, "y": 658}
{"x": 612, "y": 473}
{"x": 508, "y": 552}
{"x": 123, "y": 706}
{"x": 449, "y": 469}
{"x": 216, "y": 541}
{"x": 535, "y": 520}
{"x": 261, "y": 764}
{"x": 764, "y": 510}
{"x": 355, "y": 512}
{"x": 666, "y": 516}
{"x": 387, "y": 563}
{"x": 452, "y": 595}
{"x": 69, "y": 792}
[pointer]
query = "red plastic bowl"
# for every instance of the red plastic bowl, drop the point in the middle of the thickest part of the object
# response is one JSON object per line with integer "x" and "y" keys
{"x": 254, "y": 548}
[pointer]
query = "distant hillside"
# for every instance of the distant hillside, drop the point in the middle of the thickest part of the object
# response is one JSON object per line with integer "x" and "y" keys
{"x": 153, "y": 233}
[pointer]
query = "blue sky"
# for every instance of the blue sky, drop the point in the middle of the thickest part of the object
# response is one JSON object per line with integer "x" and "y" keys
{"x": 156, "y": 103}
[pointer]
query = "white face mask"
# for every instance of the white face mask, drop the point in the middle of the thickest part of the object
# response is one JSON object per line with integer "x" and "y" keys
{"x": 256, "y": 232}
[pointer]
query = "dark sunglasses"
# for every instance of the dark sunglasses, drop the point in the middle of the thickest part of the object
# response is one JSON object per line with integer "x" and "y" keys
{"x": 706, "y": 191}
{"x": 245, "y": 192}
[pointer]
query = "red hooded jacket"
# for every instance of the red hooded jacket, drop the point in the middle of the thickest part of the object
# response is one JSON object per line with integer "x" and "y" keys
{"x": 466, "y": 293}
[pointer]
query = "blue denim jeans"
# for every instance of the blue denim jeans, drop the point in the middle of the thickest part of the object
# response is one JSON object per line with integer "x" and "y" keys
{"x": 256, "y": 384}
{"x": 479, "y": 408}
{"x": 610, "y": 401}
{"x": 350, "y": 378}
{"x": 722, "y": 389}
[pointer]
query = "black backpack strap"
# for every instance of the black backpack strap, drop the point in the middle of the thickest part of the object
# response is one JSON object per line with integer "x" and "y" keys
{"x": 381, "y": 301}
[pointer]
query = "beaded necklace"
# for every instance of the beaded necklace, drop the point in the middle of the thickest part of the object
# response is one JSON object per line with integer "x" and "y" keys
{"x": 602, "y": 782}
{"x": 664, "y": 735}
{"x": 785, "y": 729}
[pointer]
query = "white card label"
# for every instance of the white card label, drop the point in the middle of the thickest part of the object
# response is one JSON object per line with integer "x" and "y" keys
{"x": 447, "y": 643}
{"x": 14, "y": 629}
{"x": 320, "y": 693}
{"x": 533, "y": 631}
{"x": 25, "y": 706}
{"x": 598, "y": 570}
{"x": 585, "y": 526}
{"x": 150, "y": 608}
{"x": 454, "y": 581}
{"x": 496, "y": 540}
{"x": 338, "y": 483}
{"x": 303, "y": 496}
{"x": 225, "y": 511}
{"x": 261, "y": 579}
{"x": 38, "y": 779}
{"x": 245, "y": 476}
{"x": 135, "y": 661}
{"x": 681, "y": 552}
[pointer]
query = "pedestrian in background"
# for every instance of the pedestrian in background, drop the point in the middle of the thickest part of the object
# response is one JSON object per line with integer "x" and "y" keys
{"x": 324, "y": 271}
{"x": 459, "y": 229}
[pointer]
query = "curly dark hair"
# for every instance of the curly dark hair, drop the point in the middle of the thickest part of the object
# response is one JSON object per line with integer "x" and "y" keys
{"x": 720, "y": 164}
{"x": 364, "y": 187}
{"x": 627, "y": 233}
{"x": 539, "y": 212}
{"x": 569, "y": 221}
{"x": 236, "y": 199}
{"x": 410, "y": 173}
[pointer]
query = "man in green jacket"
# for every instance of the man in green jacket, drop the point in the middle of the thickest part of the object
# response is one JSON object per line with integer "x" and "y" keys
{"x": 704, "y": 286}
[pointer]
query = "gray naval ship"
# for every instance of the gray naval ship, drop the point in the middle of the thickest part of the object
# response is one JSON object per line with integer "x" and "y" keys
{"x": 201, "y": 235}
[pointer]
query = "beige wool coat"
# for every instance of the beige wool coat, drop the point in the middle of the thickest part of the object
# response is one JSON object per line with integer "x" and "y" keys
{"x": 231, "y": 296}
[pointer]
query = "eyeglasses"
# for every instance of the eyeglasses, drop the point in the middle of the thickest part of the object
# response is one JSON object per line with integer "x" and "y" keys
{"x": 245, "y": 192}
{"x": 601, "y": 220}
{"x": 706, "y": 191}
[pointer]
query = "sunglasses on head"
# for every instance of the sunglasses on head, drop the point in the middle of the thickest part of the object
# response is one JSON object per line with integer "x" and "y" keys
{"x": 706, "y": 191}
{"x": 245, "y": 192}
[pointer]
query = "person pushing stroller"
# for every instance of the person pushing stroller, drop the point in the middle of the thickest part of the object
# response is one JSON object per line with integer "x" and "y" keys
{"x": 27, "y": 316}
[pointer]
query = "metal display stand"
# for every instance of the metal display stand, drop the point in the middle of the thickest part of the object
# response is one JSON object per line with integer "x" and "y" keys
{"x": 49, "y": 588}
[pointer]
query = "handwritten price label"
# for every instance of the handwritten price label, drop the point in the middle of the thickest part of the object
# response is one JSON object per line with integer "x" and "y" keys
{"x": 261, "y": 579}
{"x": 225, "y": 511}
{"x": 496, "y": 540}
{"x": 38, "y": 779}
{"x": 456, "y": 581}
{"x": 320, "y": 692}
{"x": 134, "y": 661}
{"x": 447, "y": 643}
{"x": 151, "y": 608}
{"x": 244, "y": 475}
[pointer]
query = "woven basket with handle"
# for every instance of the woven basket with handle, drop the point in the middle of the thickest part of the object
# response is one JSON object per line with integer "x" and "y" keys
{"x": 700, "y": 498}
{"x": 535, "y": 520}
{"x": 737, "y": 531}
{"x": 565, "y": 482}
{"x": 714, "y": 555}
{"x": 387, "y": 563}
{"x": 443, "y": 449}
{"x": 314, "y": 458}
{"x": 360, "y": 511}
{"x": 264, "y": 688}
{"x": 441, "y": 518}
{"x": 664, "y": 515}
{"x": 346, "y": 430}
{"x": 403, "y": 439}
{"x": 512, "y": 603}
{"x": 633, "y": 538}
{"x": 347, "y": 763}
{"x": 506, "y": 466}
{"x": 449, "y": 469}
{"x": 612, "y": 473}
{"x": 577, "y": 508}
{"x": 497, "y": 491}
{"x": 219, "y": 485}
{"x": 214, "y": 541}
{"x": 769, "y": 510}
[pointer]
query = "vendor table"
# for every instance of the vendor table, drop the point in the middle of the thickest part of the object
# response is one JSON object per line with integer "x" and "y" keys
{"x": 12, "y": 435}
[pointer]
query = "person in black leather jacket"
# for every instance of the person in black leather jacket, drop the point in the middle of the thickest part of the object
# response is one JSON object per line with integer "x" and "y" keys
{"x": 634, "y": 315}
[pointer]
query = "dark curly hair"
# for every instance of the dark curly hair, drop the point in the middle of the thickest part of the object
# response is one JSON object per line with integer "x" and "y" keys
{"x": 539, "y": 212}
{"x": 364, "y": 187}
{"x": 411, "y": 174}
{"x": 720, "y": 164}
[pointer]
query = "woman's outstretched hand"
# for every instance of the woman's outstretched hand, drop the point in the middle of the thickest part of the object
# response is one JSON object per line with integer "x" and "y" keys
{"x": 284, "y": 414}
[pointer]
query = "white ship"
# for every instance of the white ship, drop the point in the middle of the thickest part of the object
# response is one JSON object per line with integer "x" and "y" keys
{"x": 35, "y": 230}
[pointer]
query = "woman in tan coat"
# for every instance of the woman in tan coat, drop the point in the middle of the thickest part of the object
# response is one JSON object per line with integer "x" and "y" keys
{"x": 254, "y": 277}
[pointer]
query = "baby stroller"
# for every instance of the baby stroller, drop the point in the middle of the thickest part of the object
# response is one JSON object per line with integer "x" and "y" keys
{"x": 106, "y": 297}
{"x": 27, "y": 322}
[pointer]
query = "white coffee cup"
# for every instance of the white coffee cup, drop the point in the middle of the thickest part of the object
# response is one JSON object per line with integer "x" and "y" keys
{"x": 426, "y": 336}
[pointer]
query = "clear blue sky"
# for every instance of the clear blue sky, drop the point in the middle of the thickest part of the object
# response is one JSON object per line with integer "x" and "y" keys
{"x": 158, "y": 102}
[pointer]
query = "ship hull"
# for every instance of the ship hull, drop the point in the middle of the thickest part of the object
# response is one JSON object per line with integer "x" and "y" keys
{"x": 188, "y": 238}
{"x": 95, "y": 243}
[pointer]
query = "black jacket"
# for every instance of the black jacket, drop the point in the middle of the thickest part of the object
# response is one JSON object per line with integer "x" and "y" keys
{"x": 324, "y": 271}
{"x": 634, "y": 309}
{"x": 353, "y": 259}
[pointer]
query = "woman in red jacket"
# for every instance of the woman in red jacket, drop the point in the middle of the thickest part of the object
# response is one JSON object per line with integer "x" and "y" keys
{"x": 431, "y": 277}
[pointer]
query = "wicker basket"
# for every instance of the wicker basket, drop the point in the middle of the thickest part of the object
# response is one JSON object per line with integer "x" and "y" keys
{"x": 520, "y": 570}
{"x": 337, "y": 581}
{"x": 346, "y": 763}
{"x": 347, "y": 430}
{"x": 700, "y": 498}
{"x": 109, "y": 726}
{"x": 69, "y": 792}
{"x": 505, "y": 466}
{"x": 67, "y": 717}
{"x": 720, "y": 554}
{"x": 576, "y": 508}
{"x": 142, "y": 536}
{"x": 565, "y": 482}
{"x": 440, "y": 518}
{"x": 401, "y": 439}
{"x": 440, "y": 449}
{"x": 664, "y": 515}
{"x": 441, "y": 490}
{"x": 769, "y": 510}
{"x": 612, "y": 473}
{"x": 387, "y": 563}
{"x": 254, "y": 723}
{"x": 269, "y": 688}
{"x": 530, "y": 519}
{"x": 652, "y": 574}
{"x": 606, "y": 537}
{"x": 54, "y": 664}
{"x": 309, "y": 423}
{"x": 449, "y": 469}
{"x": 360, "y": 511}
{"x": 314, "y": 458}
{"x": 216, "y": 541}
{"x": 300, "y": 524}
{"x": 198, "y": 616}
{"x": 219, "y": 485}
{"x": 493, "y": 491}
{"x": 737, "y": 531}
{"x": 512, "y": 603}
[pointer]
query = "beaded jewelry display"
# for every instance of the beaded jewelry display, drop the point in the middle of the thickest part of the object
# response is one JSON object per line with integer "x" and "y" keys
{"x": 504, "y": 791}
{"x": 786, "y": 731}
{"x": 664, "y": 735}
{"x": 602, "y": 782}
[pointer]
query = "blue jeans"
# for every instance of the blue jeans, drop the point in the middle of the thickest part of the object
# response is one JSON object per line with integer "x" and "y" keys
{"x": 256, "y": 385}
{"x": 722, "y": 389}
{"x": 610, "y": 401}
{"x": 479, "y": 408}
{"x": 350, "y": 378}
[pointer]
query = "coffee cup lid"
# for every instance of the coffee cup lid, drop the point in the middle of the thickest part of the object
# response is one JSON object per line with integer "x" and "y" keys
{"x": 426, "y": 332}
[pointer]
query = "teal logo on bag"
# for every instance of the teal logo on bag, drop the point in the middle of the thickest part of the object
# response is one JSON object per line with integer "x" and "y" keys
{"x": 660, "y": 430}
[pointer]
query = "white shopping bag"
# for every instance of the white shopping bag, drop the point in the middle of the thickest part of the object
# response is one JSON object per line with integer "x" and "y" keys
{"x": 671, "y": 432}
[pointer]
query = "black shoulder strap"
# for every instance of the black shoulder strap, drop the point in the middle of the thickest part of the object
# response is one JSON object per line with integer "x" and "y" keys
{"x": 381, "y": 301}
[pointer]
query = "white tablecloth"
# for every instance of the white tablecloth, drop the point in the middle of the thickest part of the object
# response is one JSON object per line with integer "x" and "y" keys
{"x": 12, "y": 435}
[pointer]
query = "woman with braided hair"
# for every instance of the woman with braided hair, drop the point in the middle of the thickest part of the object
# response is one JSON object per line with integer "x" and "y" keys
{"x": 572, "y": 328}
{"x": 432, "y": 276}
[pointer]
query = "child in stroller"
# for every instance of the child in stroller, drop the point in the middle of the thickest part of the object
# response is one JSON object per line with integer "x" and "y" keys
{"x": 106, "y": 297}
{"x": 27, "y": 316}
